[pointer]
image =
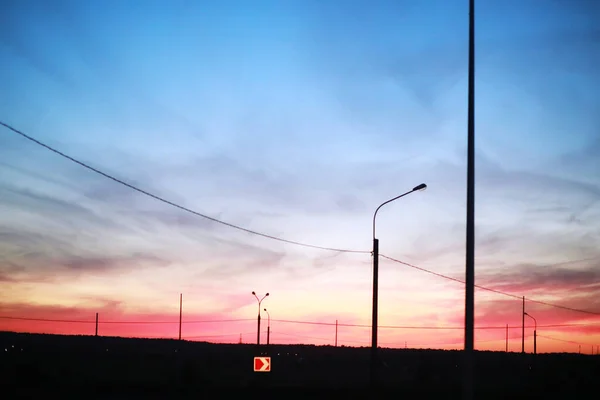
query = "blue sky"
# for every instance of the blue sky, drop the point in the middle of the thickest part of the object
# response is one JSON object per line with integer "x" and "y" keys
{"x": 296, "y": 119}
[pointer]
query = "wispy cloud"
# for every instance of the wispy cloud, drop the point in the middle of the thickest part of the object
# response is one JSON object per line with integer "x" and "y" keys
{"x": 299, "y": 129}
{"x": 559, "y": 279}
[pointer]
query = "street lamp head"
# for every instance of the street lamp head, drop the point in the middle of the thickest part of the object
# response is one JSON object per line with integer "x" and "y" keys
{"x": 267, "y": 294}
{"x": 254, "y": 293}
{"x": 422, "y": 186}
{"x": 265, "y": 309}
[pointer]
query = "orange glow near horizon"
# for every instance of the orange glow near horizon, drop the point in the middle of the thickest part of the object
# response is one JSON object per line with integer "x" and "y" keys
{"x": 148, "y": 150}
{"x": 558, "y": 334}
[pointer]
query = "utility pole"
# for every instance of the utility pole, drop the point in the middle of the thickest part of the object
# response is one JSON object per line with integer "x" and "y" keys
{"x": 180, "y": 312}
{"x": 96, "y": 324}
{"x": 258, "y": 329}
{"x": 268, "y": 327}
{"x": 523, "y": 328}
{"x": 535, "y": 341}
{"x": 507, "y": 338}
{"x": 374, "y": 316}
{"x": 468, "y": 382}
{"x": 336, "y": 331}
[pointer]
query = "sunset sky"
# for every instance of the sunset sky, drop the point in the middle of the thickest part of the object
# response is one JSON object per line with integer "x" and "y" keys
{"x": 297, "y": 119}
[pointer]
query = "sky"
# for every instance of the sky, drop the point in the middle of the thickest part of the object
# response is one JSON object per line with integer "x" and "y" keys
{"x": 296, "y": 119}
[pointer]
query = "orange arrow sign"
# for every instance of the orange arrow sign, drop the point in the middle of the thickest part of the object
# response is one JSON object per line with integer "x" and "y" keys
{"x": 262, "y": 364}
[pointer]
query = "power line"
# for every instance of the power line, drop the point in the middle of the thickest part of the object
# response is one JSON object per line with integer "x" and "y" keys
{"x": 275, "y": 237}
{"x": 302, "y": 336}
{"x": 426, "y": 327}
{"x": 423, "y": 327}
{"x": 489, "y": 289}
{"x": 563, "y": 340}
{"x": 125, "y": 322}
{"x": 216, "y": 336}
{"x": 562, "y": 307}
{"x": 448, "y": 277}
{"x": 399, "y": 343}
{"x": 163, "y": 200}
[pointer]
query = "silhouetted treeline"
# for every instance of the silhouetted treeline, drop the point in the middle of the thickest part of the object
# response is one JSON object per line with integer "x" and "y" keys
{"x": 120, "y": 366}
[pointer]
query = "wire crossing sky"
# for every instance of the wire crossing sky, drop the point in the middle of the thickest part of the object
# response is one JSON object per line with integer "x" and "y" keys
{"x": 269, "y": 236}
{"x": 295, "y": 120}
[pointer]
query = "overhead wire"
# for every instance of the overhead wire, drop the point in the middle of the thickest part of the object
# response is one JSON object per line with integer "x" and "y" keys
{"x": 320, "y": 323}
{"x": 124, "y": 322}
{"x": 514, "y": 296}
{"x": 398, "y": 343}
{"x": 276, "y": 238}
{"x": 216, "y": 336}
{"x": 173, "y": 204}
{"x": 564, "y": 340}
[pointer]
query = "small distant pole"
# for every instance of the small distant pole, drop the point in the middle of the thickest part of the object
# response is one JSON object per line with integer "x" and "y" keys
{"x": 579, "y": 349}
{"x": 336, "y": 331}
{"x": 240, "y": 338}
{"x": 507, "y": 338}
{"x": 523, "y": 327}
{"x": 180, "y": 312}
{"x": 96, "y": 324}
{"x": 405, "y": 344}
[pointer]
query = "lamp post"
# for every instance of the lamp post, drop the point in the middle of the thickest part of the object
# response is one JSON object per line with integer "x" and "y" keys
{"x": 534, "y": 333}
{"x": 268, "y": 326}
{"x": 258, "y": 329}
{"x": 374, "y": 364}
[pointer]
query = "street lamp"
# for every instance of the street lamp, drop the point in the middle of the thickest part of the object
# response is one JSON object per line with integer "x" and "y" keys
{"x": 534, "y": 333}
{"x": 373, "y": 371}
{"x": 259, "y": 303}
{"x": 268, "y": 326}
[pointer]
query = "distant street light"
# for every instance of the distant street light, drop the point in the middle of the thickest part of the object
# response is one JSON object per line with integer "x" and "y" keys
{"x": 268, "y": 326}
{"x": 259, "y": 303}
{"x": 374, "y": 364}
{"x": 534, "y": 333}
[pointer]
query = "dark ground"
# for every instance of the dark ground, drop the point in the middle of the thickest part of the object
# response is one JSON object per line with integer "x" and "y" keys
{"x": 32, "y": 366}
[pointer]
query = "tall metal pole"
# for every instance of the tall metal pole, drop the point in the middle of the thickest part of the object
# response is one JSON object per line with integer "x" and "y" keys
{"x": 507, "y": 338}
{"x": 468, "y": 391}
{"x": 336, "y": 331}
{"x": 374, "y": 312}
{"x": 374, "y": 359}
{"x": 268, "y": 327}
{"x": 258, "y": 319}
{"x": 96, "y": 324}
{"x": 534, "y": 331}
{"x": 258, "y": 330}
{"x": 523, "y": 328}
{"x": 180, "y": 312}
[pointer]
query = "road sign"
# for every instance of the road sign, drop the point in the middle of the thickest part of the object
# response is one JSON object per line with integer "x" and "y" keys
{"x": 262, "y": 364}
